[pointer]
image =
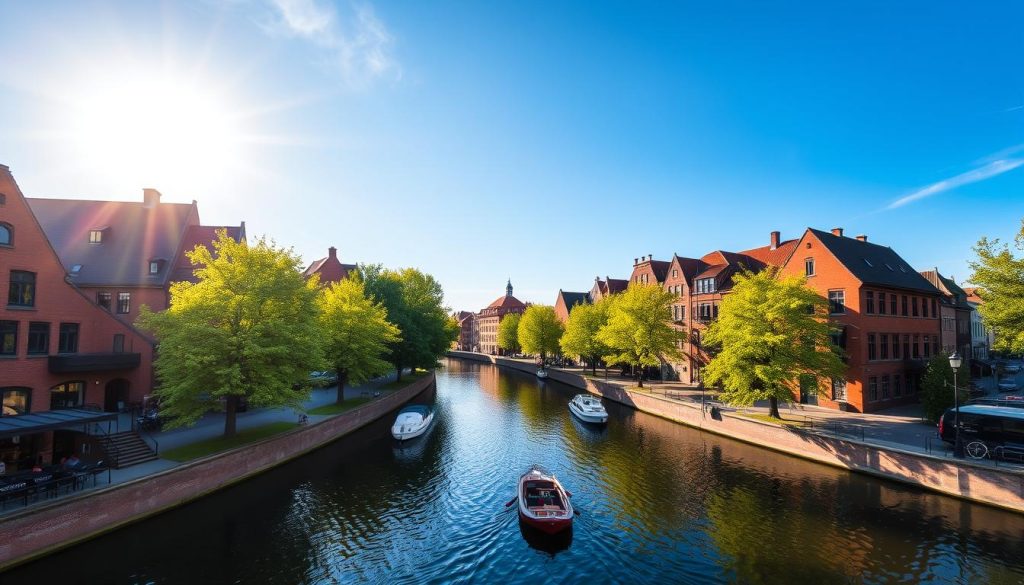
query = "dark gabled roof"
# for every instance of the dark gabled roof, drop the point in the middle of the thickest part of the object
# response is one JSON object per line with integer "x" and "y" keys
{"x": 571, "y": 299}
{"x": 873, "y": 264}
{"x": 689, "y": 266}
{"x": 205, "y": 235}
{"x": 615, "y": 285}
{"x": 951, "y": 292}
{"x": 134, "y": 234}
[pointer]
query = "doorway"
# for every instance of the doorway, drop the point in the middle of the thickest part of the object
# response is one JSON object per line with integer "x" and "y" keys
{"x": 808, "y": 389}
{"x": 115, "y": 396}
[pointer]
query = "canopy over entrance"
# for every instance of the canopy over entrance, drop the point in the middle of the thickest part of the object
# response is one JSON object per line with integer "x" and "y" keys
{"x": 49, "y": 420}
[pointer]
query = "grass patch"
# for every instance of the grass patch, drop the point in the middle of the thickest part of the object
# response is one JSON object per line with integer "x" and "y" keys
{"x": 405, "y": 381}
{"x": 218, "y": 444}
{"x": 337, "y": 408}
{"x": 775, "y": 421}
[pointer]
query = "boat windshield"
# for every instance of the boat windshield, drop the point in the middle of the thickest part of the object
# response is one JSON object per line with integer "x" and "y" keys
{"x": 415, "y": 409}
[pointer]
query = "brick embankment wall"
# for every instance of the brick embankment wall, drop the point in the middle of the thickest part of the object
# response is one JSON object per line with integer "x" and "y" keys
{"x": 41, "y": 530}
{"x": 1002, "y": 487}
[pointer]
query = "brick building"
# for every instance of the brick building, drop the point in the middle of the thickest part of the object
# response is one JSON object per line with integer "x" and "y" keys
{"x": 330, "y": 268}
{"x": 488, "y": 319}
{"x": 565, "y": 301}
{"x": 887, "y": 313}
{"x": 58, "y": 349}
{"x": 982, "y": 337}
{"x": 467, "y": 340}
{"x": 954, "y": 316}
{"x": 607, "y": 287}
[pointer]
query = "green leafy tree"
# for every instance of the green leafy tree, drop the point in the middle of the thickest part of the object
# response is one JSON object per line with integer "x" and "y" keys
{"x": 581, "y": 332}
{"x": 999, "y": 273}
{"x": 508, "y": 333}
{"x": 246, "y": 330}
{"x": 355, "y": 333}
{"x": 415, "y": 304}
{"x": 639, "y": 330}
{"x": 539, "y": 331}
{"x": 937, "y": 387}
{"x": 770, "y": 331}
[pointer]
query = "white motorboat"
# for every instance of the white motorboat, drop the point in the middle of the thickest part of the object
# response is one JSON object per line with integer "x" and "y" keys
{"x": 542, "y": 374}
{"x": 588, "y": 408}
{"x": 412, "y": 421}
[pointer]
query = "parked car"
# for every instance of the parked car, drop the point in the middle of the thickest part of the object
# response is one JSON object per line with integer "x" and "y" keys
{"x": 1006, "y": 385}
{"x": 323, "y": 379}
{"x": 985, "y": 429}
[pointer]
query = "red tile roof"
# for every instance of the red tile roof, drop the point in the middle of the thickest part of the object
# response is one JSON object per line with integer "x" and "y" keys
{"x": 776, "y": 257}
{"x": 506, "y": 302}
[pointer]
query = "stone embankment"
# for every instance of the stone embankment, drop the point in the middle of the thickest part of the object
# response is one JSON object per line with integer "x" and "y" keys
{"x": 40, "y": 530}
{"x": 978, "y": 482}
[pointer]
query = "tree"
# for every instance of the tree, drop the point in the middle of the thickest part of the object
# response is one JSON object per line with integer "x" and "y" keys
{"x": 580, "y": 338}
{"x": 770, "y": 331}
{"x": 246, "y": 330}
{"x": 539, "y": 331}
{"x": 999, "y": 274}
{"x": 414, "y": 303}
{"x": 639, "y": 330}
{"x": 937, "y": 387}
{"x": 355, "y": 333}
{"x": 508, "y": 333}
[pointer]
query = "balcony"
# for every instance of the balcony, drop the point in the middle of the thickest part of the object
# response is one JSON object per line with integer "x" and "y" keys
{"x": 93, "y": 362}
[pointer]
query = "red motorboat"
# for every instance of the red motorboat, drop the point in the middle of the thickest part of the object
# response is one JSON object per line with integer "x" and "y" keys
{"x": 543, "y": 502}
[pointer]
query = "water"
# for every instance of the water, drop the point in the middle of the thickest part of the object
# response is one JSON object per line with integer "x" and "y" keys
{"x": 660, "y": 503}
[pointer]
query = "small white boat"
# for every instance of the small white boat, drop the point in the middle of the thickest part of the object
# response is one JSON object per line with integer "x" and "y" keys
{"x": 542, "y": 374}
{"x": 588, "y": 408}
{"x": 412, "y": 421}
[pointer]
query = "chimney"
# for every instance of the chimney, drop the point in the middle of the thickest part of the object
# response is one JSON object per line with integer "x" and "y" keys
{"x": 837, "y": 232}
{"x": 150, "y": 198}
{"x": 635, "y": 261}
{"x": 775, "y": 239}
{"x": 862, "y": 238}
{"x": 650, "y": 257}
{"x": 332, "y": 253}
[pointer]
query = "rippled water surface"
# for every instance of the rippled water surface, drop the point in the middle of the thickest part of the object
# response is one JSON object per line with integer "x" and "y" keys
{"x": 659, "y": 502}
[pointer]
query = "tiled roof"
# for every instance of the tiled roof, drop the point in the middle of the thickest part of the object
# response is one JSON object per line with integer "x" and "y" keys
{"x": 616, "y": 285}
{"x": 660, "y": 269}
{"x": 134, "y": 234}
{"x": 712, "y": 271}
{"x": 952, "y": 293}
{"x": 874, "y": 264}
{"x": 776, "y": 257}
{"x": 972, "y": 295}
{"x": 506, "y": 302}
{"x": 205, "y": 235}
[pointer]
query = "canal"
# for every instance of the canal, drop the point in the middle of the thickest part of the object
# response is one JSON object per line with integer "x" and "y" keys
{"x": 659, "y": 502}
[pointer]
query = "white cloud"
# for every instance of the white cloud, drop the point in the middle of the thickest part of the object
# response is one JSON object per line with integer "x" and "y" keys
{"x": 987, "y": 171}
{"x": 356, "y": 42}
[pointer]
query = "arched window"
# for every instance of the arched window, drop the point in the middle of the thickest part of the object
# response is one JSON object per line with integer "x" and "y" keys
{"x": 67, "y": 395}
{"x": 6, "y": 235}
{"x": 16, "y": 400}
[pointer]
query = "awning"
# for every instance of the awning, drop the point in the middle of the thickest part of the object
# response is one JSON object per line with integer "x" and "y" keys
{"x": 49, "y": 420}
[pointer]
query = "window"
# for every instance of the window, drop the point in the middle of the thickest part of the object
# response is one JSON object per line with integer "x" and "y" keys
{"x": 916, "y": 348}
{"x": 38, "y": 338}
{"x": 118, "y": 343}
{"x": 23, "y": 289}
{"x": 935, "y": 312}
{"x": 809, "y": 267}
{"x": 906, "y": 347}
{"x": 3, "y": 199}
{"x": 675, "y": 273}
{"x": 868, "y": 262}
{"x": 5, "y": 235}
{"x": 895, "y": 346}
{"x": 885, "y": 387}
{"x": 897, "y": 391}
{"x": 913, "y": 305}
{"x": 836, "y": 302}
{"x": 926, "y": 349}
{"x": 935, "y": 344}
{"x": 16, "y": 400}
{"x": 95, "y": 236}
{"x": 124, "y": 302}
{"x": 910, "y": 384}
{"x": 706, "y": 285}
{"x": 872, "y": 388}
{"x": 904, "y": 306}
{"x": 924, "y": 308}
{"x": 704, "y": 312}
{"x": 883, "y": 347}
{"x": 66, "y": 395}
{"x": 838, "y": 337}
{"x": 881, "y": 303}
{"x": 68, "y": 342}
{"x": 103, "y": 300}
{"x": 871, "y": 347}
{"x": 892, "y": 304}
{"x": 839, "y": 390}
{"x": 869, "y": 302}
{"x": 8, "y": 337}
{"x": 76, "y": 269}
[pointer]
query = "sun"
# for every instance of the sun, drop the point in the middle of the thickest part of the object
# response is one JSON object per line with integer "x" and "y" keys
{"x": 157, "y": 129}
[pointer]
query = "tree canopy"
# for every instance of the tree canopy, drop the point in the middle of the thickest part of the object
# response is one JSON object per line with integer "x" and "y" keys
{"x": 508, "y": 333}
{"x": 247, "y": 329}
{"x": 639, "y": 330}
{"x": 937, "y": 387}
{"x": 999, "y": 274}
{"x": 539, "y": 331}
{"x": 355, "y": 333}
{"x": 581, "y": 332}
{"x": 770, "y": 331}
{"x": 415, "y": 304}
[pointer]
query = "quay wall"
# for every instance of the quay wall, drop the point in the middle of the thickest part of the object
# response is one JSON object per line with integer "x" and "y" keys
{"x": 44, "y": 529}
{"x": 978, "y": 482}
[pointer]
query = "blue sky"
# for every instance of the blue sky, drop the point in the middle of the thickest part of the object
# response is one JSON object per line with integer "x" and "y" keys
{"x": 546, "y": 142}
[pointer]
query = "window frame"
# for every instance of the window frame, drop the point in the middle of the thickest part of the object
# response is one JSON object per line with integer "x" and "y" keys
{"x": 124, "y": 303}
{"x": 19, "y": 289}
{"x": 6, "y": 227}
{"x": 5, "y": 390}
{"x": 33, "y": 336}
{"x": 832, "y": 303}
{"x": 68, "y": 338}
{"x": 9, "y": 328}
{"x": 809, "y": 267}
{"x": 105, "y": 301}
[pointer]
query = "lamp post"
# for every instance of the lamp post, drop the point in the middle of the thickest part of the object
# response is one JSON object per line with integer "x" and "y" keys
{"x": 954, "y": 362}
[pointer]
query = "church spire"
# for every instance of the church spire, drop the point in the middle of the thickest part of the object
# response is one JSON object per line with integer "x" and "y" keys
{"x": 508, "y": 288}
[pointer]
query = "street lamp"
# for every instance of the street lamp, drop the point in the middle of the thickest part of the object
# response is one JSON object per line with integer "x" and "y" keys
{"x": 954, "y": 362}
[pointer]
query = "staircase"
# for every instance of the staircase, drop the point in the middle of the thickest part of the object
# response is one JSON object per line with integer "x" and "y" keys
{"x": 126, "y": 449}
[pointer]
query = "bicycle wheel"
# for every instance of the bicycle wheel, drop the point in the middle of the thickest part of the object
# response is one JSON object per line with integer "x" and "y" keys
{"x": 977, "y": 450}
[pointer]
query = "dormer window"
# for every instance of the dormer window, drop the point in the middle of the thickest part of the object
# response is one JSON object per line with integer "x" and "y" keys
{"x": 75, "y": 269}
{"x": 868, "y": 262}
{"x": 155, "y": 266}
{"x": 96, "y": 236}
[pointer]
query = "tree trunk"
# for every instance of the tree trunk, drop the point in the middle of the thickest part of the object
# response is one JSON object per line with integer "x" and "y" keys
{"x": 342, "y": 380}
{"x": 593, "y": 366}
{"x": 773, "y": 407}
{"x": 639, "y": 376}
{"x": 398, "y": 370}
{"x": 231, "y": 404}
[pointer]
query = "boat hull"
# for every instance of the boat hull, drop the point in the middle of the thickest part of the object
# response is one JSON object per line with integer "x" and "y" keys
{"x": 408, "y": 434}
{"x": 595, "y": 419}
{"x": 546, "y": 525}
{"x": 554, "y": 512}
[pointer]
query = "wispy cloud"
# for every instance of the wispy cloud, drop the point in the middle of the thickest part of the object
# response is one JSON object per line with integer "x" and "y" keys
{"x": 356, "y": 42}
{"x": 991, "y": 168}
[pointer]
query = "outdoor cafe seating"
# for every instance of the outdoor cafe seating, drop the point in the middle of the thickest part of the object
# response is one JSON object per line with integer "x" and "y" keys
{"x": 52, "y": 481}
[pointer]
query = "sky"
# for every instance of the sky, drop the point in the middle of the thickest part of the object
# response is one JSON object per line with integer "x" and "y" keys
{"x": 546, "y": 142}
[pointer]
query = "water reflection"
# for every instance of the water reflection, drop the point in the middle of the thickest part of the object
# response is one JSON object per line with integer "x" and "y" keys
{"x": 659, "y": 503}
